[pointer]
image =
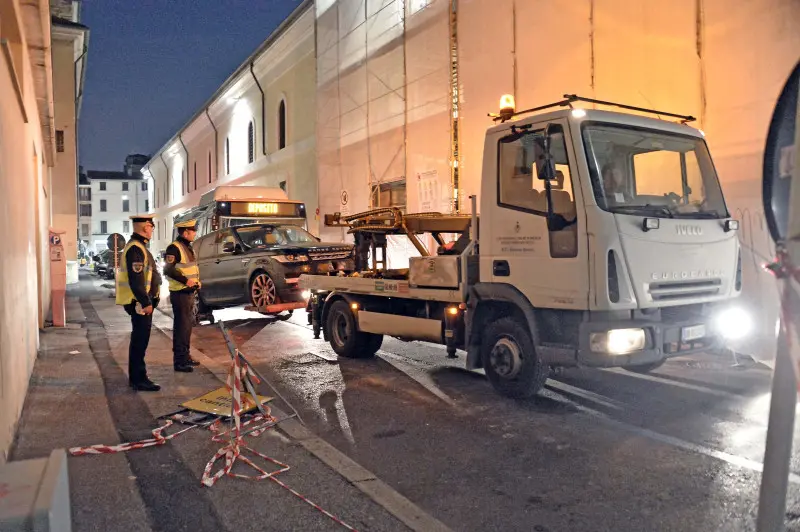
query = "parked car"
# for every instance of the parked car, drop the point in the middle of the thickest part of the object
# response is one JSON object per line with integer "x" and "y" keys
{"x": 260, "y": 265}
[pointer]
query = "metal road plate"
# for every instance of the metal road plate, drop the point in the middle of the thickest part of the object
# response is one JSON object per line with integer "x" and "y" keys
{"x": 218, "y": 402}
{"x": 693, "y": 333}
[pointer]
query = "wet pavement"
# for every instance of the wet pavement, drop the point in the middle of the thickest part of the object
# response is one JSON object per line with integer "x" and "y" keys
{"x": 678, "y": 449}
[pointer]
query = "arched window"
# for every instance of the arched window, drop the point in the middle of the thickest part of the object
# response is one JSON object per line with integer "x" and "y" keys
{"x": 251, "y": 142}
{"x": 282, "y": 125}
{"x": 227, "y": 155}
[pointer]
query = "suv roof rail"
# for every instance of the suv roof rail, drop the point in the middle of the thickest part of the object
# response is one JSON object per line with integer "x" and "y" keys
{"x": 569, "y": 99}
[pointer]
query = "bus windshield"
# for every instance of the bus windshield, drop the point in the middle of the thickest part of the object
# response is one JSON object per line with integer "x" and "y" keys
{"x": 273, "y": 235}
{"x": 649, "y": 173}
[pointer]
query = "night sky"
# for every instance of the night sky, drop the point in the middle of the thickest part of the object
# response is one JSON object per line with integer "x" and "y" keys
{"x": 153, "y": 63}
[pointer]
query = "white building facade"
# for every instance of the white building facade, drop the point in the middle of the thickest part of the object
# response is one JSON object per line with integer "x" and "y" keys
{"x": 115, "y": 196}
{"x": 257, "y": 129}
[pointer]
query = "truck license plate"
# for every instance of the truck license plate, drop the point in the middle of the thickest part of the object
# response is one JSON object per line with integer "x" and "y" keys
{"x": 693, "y": 333}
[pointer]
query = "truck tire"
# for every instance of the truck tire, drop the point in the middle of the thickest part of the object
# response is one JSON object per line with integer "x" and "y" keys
{"x": 345, "y": 338}
{"x": 646, "y": 368}
{"x": 510, "y": 360}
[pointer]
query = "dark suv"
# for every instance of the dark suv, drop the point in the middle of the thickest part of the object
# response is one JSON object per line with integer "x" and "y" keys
{"x": 260, "y": 265}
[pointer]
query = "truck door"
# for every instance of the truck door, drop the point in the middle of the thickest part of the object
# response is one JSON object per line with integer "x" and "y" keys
{"x": 546, "y": 264}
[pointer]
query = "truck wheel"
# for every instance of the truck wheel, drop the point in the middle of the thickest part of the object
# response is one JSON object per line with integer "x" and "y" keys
{"x": 510, "y": 360}
{"x": 373, "y": 343}
{"x": 262, "y": 290}
{"x": 646, "y": 368}
{"x": 345, "y": 338}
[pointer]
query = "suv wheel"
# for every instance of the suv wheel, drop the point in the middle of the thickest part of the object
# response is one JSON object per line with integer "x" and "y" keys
{"x": 262, "y": 291}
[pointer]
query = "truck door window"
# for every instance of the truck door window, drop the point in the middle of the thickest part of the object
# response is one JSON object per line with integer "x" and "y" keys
{"x": 520, "y": 189}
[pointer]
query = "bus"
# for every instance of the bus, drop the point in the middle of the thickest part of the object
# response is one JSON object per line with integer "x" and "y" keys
{"x": 231, "y": 206}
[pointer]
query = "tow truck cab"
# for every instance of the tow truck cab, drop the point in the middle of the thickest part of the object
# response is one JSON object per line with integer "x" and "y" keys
{"x": 610, "y": 233}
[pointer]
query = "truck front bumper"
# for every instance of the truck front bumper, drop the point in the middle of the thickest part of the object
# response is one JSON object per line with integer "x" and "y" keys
{"x": 619, "y": 343}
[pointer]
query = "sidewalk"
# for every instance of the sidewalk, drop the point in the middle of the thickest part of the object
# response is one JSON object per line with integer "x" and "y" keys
{"x": 83, "y": 399}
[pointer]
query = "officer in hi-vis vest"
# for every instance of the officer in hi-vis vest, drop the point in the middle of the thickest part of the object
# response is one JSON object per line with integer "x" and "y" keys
{"x": 184, "y": 280}
{"x": 138, "y": 286}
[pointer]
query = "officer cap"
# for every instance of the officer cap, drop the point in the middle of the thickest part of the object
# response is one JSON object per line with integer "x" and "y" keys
{"x": 188, "y": 224}
{"x": 143, "y": 218}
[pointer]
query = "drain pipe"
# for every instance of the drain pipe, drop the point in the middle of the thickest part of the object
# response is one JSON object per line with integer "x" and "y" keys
{"x": 216, "y": 147}
{"x": 166, "y": 192}
{"x": 186, "y": 166}
{"x": 263, "y": 112}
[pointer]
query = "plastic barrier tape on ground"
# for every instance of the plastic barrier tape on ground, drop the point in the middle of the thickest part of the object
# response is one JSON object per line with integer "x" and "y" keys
{"x": 231, "y": 452}
{"x": 157, "y": 439}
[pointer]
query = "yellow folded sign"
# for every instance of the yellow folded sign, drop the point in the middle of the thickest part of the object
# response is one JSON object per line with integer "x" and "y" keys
{"x": 218, "y": 402}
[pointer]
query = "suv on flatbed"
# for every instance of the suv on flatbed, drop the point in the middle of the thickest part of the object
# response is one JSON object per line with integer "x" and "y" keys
{"x": 260, "y": 264}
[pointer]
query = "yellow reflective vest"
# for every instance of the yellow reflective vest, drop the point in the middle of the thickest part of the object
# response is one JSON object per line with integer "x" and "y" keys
{"x": 185, "y": 268}
{"x": 124, "y": 292}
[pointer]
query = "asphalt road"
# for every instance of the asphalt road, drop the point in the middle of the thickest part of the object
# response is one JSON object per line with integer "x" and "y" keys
{"x": 679, "y": 449}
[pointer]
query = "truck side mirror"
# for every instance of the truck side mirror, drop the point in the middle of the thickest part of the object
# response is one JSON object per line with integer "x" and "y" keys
{"x": 544, "y": 168}
{"x": 228, "y": 247}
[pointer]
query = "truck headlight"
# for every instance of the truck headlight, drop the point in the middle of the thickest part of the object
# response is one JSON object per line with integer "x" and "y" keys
{"x": 618, "y": 341}
{"x": 733, "y": 323}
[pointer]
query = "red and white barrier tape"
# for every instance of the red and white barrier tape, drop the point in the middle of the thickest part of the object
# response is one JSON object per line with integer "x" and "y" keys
{"x": 157, "y": 439}
{"x": 232, "y": 452}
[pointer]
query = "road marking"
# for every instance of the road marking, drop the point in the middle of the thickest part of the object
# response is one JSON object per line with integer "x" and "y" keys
{"x": 672, "y": 441}
{"x": 586, "y": 394}
{"x": 678, "y": 384}
{"x": 421, "y": 377}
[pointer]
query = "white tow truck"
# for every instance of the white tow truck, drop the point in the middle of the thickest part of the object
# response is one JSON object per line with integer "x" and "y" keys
{"x": 603, "y": 240}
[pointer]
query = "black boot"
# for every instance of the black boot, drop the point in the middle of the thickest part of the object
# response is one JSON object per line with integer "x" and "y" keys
{"x": 145, "y": 386}
{"x": 193, "y": 362}
{"x": 183, "y": 367}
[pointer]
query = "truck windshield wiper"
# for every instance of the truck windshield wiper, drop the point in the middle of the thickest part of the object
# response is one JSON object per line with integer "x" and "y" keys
{"x": 637, "y": 209}
{"x": 698, "y": 215}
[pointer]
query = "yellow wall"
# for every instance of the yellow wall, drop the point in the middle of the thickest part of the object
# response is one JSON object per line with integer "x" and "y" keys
{"x": 24, "y": 185}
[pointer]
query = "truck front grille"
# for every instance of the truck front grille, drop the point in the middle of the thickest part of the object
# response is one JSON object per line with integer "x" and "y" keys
{"x": 684, "y": 289}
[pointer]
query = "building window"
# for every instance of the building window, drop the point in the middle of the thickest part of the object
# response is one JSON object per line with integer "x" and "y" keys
{"x": 144, "y": 186}
{"x": 102, "y": 185}
{"x": 126, "y": 226}
{"x": 85, "y": 229}
{"x": 126, "y": 205}
{"x": 86, "y": 210}
{"x": 60, "y": 141}
{"x": 86, "y": 194}
{"x": 227, "y": 155}
{"x": 209, "y": 167}
{"x": 103, "y": 205}
{"x": 251, "y": 142}
{"x": 125, "y": 186}
{"x": 195, "y": 175}
{"x": 146, "y": 205}
{"x": 282, "y": 125}
{"x": 103, "y": 227}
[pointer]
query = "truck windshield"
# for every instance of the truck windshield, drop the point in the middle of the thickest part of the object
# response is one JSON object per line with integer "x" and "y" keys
{"x": 646, "y": 172}
{"x": 273, "y": 235}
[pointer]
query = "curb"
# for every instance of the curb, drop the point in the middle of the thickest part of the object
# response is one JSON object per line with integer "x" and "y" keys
{"x": 367, "y": 482}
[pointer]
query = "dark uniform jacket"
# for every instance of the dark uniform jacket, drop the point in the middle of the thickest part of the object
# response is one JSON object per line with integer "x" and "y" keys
{"x": 134, "y": 262}
{"x": 172, "y": 257}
